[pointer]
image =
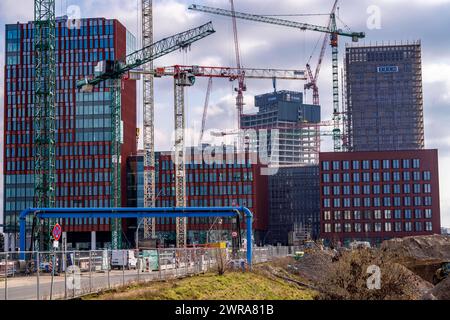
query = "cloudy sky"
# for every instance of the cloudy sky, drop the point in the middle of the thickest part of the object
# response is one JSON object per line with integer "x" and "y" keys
{"x": 267, "y": 46}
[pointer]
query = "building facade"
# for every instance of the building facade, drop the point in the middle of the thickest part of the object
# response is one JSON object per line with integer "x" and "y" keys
{"x": 374, "y": 196}
{"x": 83, "y": 140}
{"x": 286, "y": 112}
{"x": 384, "y": 97}
{"x": 294, "y": 204}
{"x": 235, "y": 181}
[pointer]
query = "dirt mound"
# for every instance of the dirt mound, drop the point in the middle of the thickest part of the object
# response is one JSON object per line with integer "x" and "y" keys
{"x": 419, "y": 250}
{"x": 313, "y": 266}
{"x": 442, "y": 290}
{"x": 421, "y": 287}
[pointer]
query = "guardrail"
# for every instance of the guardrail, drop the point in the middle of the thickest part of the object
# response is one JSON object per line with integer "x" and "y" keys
{"x": 72, "y": 274}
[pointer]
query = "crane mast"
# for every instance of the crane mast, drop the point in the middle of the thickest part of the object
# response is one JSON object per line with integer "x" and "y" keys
{"x": 113, "y": 71}
{"x": 149, "y": 121}
{"x": 334, "y": 35}
{"x": 44, "y": 117}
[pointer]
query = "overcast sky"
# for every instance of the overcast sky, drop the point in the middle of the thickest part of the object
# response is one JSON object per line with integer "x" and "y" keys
{"x": 268, "y": 46}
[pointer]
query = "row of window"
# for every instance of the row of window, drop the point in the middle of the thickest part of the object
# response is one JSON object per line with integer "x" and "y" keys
{"x": 377, "y": 189}
{"x": 219, "y": 202}
{"x": 376, "y": 177}
{"x": 208, "y": 190}
{"x": 378, "y": 227}
{"x": 377, "y": 202}
{"x": 371, "y": 164}
{"x": 406, "y": 214}
{"x": 211, "y": 177}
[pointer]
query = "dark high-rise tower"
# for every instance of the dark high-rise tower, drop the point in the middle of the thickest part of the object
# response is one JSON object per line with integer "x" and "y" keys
{"x": 384, "y": 97}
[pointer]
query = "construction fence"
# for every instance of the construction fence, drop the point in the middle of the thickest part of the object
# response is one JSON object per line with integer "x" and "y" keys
{"x": 69, "y": 275}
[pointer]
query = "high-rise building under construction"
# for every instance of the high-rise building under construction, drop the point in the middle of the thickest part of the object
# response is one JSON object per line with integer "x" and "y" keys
{"x": 384, "y": 97}
{"x": 83, "y": 122}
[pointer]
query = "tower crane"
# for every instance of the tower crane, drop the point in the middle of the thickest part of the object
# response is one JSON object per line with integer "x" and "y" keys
{"x": 241, "y": 79}
{"x": 114, "y": 71}
{"x": 44, "y": 117}
{"x": 313, "y": 79}
{"x": 149, "y": 120}
{"x": 334, "y": 33}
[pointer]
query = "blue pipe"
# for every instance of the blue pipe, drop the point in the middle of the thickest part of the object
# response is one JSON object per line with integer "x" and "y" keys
{"x": 194, "y": 212}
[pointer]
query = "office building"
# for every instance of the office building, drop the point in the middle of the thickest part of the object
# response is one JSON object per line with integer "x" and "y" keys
{"x": 384, "y": 97}
{"x": 374, "y": 196}
{"x": 294, "y": 205}
{"x": 228, "y": 182}
{"x": 299, "y": 139}
{"x": 83, "y": 141}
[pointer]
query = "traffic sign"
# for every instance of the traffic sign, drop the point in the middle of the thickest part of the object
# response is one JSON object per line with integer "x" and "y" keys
{"x": 57, "y": 232}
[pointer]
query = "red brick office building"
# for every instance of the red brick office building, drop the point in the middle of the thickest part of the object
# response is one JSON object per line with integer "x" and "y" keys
{"x": 374, "y": 196}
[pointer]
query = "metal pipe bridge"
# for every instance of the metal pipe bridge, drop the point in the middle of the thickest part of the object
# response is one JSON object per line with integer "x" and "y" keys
{"x": 125, "y": 213}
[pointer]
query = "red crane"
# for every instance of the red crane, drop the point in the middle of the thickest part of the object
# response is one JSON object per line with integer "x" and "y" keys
{"x": 313, "y": 79}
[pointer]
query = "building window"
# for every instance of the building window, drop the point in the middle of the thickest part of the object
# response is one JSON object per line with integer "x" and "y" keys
{"x": 406, "y": 188}
{"x": 418, "y": 214}
{"x": 367, "y": 202}
{"x": 416, "y": 176}
{"x": 348, "y": 227}
{"x": 396, "y": 176}
{"x": 336, "y": 165}
{"x": 366, "y": 165}
{"x": 417, "y": 189}
{"x": 346, "y": 165}
{"x": 376, "y": 177}
{"x": 367, "y": 227}
{"x": 427, "y": 176}
{"x": 337, "y": 215}
{"x": 398, "y": 214}
{"x": 356, "y": 177}
{"x": 328, "y": 228}
{"x": 346, "y": 177}
{"x": 396, "y": 164}
{"x": 337, "y": 203}
{"x": 366, "y": 189}
{"x": 388, "y": 227}
{"x": 357, "y": 202}
{"x": 387, "y": 214}
{"x": 367, "y": 215}
{"x": 387, "y": 189}
{"x": 376, "y": 189}
{"x": 327, "y": 215}
{"x": 327, "y": 203}
{"x": 407, "y": 201}
{"x": 377, "y": 202}
{"x": 357, "y": 215}
{"x": 386, "y": 176}
{"x": 428, "y": 201}
{"x": 387, "y": 202}
{"x": 406, "y": 164}
{"x": 386, "y": 164}
{"x": 429, "y": 226}
{"x": 366, "y": 177}
{"x": 427, "y": 188}
{"x": 356, "y": 190}
{"x": 337, "y": 227}
{"x": 406, "y": 176}
{"x": 326, "y": 166}
{"x": 336, "y": 178}
{"x": 408, "y": 214}
{"x": 428, "y": 214}
{"x": 326, "y": 191}
{"x": 347, "y": 203}
{"x": 326, "y": 178}
{"x": 408, "y": 226}
{"x": 376, "y": 164}
{"x": 377, "y": 214}
{"x": 347, "y": 215}
{"x": 417, "y": 201}
{"x": 355, "y": 164}
{"x": 336, "y": 190}
{"x": 398, "y": 227}
{"x": 416, "y": 163}
{"x": 358, "y": 227}
{"x": 419, "y": 226}
{"x": 397, "y": 189}
{"x": 346, "y": 190}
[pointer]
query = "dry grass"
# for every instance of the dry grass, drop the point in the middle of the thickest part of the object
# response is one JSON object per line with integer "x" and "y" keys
{"x": 230, "y": 286}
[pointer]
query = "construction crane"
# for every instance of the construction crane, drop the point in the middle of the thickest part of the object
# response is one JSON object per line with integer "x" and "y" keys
{"x": 313, "y": 79}
{"x": 241, "y": 79}
{"x": 114, "y": 71}
{"x": 334, "y": 36}
{"x": 44, "y": 117}
{"x": 149, "y": 121}
{"x": 205, "y": 109}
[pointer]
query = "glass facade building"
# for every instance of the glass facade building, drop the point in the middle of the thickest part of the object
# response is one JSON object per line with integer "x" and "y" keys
{"x": 83, "y": 140}
{"x": 294, "y": 197}
{"x": 286, "y": 112}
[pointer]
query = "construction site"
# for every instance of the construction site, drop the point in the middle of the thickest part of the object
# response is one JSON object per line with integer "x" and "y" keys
{"x": 93, "y": 209}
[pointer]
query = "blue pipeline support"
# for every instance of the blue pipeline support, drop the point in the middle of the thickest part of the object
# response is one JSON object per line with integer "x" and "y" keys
{"x": 124, "y": 213}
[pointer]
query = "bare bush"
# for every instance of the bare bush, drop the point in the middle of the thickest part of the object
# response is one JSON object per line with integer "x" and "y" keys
{"x": 347, "y": 278}
{"x": 221, "y": 258}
